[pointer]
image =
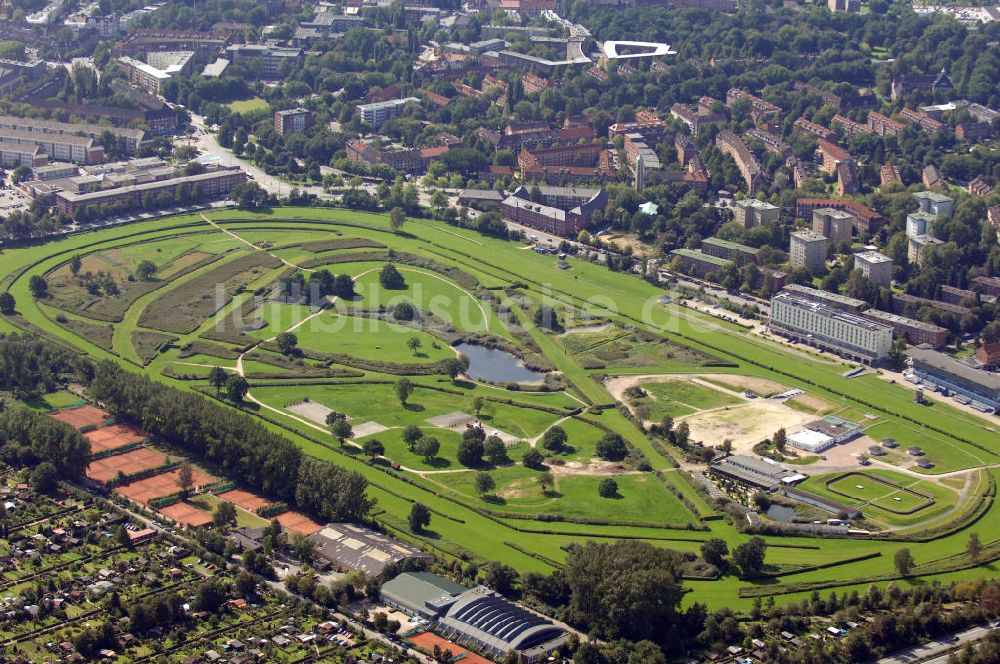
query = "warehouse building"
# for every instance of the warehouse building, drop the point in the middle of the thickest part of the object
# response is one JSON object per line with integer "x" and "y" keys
{"x": 476, "y": 616}
{"x": 753, "y": 472}
{"x": 350, "y": 547}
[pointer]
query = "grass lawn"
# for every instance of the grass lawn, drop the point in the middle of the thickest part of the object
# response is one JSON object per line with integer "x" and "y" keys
{"x": 369, "y": 339}
{"x": 642, "y": 498}
{"x": 52, "y": 400}
{"x": 878, "y": 501}
{"x": 581, "y": 441}
{"x": 592, "y": 290}
{"x": 946, "y": 453}
{"x": 245, "y": 106}
{"x": 687, "y": 393}
{"x": 427, "y": 291}
{"x": 278, "y": 317}
{"x": 378, "y": 402}
{"x": 244, "y": 519}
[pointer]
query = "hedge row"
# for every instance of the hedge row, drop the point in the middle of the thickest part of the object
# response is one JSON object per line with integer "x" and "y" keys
{"x": 537, "y": 556}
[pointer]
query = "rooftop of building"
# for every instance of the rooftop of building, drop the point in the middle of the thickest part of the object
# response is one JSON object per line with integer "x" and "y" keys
{"x": 873, "y": 257}
{"x": 808, "y": 235}
{"x": 698, "y": 255}
{"x": 896, "y": 319}
{"x": 361, "y": 548}
{"x": 732, "y": 246}
{"x": 949, "y": 365}
{"x": 933, "y": 196}
{"x": 391, "y": 103}
{"x": 817, "y": 294}
{"x": 827, "y": 311}
{"x": 833, "y": 212}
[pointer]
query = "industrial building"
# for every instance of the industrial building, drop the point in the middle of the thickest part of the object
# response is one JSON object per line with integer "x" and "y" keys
{"x": 476, "y": 616}
{"x": 753, "y": 472}
{"x": 831, "y": 329}
{"x": 350, "y": 547}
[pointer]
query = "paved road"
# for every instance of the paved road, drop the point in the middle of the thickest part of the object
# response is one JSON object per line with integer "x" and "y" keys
{"x": 206, "y": 142}
{"x": 937, "y": 649}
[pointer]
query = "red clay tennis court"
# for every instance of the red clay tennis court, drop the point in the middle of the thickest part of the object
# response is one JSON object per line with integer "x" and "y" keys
{"x": 164, "y": 484}
{"x": 426, "y": 641}
{"x": 85, "y": 416}
{"x": 298, "y": 523}
{"x": 186, "y": 515}
{"x": 114, "y": 436}
{"x": 251, "y": 502}
{"x": 130, "y": 462}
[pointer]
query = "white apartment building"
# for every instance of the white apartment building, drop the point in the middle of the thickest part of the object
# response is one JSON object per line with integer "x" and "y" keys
{"x": 934, "y": 203}
{"x": 836, "y": 225}
{"x": 876, "y": 267}
{"x": 818, "y": 325}
{"x": 919, "y": 223}
{"x": 808, "y": 249}
{"x": 378, "y": 113}
{"x": 750, "y": 212}
{"x": 917, "y": 245}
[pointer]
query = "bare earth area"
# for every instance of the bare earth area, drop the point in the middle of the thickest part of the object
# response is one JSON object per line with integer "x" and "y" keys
{"x": 311, "y": 410}
{"x": 745, "y": 425}
{"x": 596, "y": 467}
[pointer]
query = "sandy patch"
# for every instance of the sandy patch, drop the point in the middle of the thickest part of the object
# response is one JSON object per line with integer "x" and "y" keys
{"x": 813, "y": 403}
{"x": 745, "y": 425}
{"x": 586, "y": 329}
{"x": 838, "y": 457}
{"x": 311, "y": 410}
{"x": 459, "y": 422}
{"x": 595, "y": 467}
{"x": 761, "y": 386}
{"x": 368, "y": 429}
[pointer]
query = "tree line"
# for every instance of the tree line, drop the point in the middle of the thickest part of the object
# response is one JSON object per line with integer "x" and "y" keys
{"x": 236, "y": 445}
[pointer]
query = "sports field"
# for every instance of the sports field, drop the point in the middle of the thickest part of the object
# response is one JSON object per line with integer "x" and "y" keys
{"x": 468, "y": 284}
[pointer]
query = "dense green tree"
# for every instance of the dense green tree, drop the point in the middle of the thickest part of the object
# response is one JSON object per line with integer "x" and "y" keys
{"x": 749, "y": 557}
{"x": 608, "y": 488}
{"x": 420, "y": 517}
{"x": 627, "y": 589}
{"x": 714, "y": 551}
{"x": 612, "y": 447}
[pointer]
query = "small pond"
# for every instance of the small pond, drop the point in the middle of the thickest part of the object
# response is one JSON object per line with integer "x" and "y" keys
{"x": 497, "y": 365}
{"x": 781, "y": 512}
